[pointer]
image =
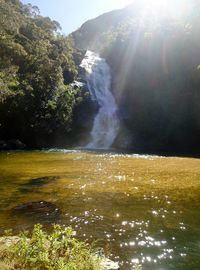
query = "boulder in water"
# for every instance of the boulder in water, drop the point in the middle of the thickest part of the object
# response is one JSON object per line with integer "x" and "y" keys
{"x": 12, "y": 145}
{"x": 38, "y": 210}
{"x": 41, "y": 181}
{"x": 3, "y": 145}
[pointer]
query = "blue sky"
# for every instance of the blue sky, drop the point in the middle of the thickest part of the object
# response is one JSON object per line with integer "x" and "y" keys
{"x": 71, "y": 14}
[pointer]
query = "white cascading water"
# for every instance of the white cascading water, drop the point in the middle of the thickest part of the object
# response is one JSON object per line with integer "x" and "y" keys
{"x": 106, "y": 124}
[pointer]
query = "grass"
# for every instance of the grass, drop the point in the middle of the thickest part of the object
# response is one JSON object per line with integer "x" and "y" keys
{"x": 38, "y": 250}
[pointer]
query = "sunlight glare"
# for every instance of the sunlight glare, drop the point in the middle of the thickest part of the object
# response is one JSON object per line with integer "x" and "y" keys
{"x": 176, "y": 8}
{"x": 157, "y": 4}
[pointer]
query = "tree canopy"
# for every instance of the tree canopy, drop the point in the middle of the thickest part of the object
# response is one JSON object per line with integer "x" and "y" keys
{"x": 36, "y": 68}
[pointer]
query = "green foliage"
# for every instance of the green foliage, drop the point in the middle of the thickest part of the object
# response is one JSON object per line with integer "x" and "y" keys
{"x": 59, "y": 250}
{"x": 36, "y": 68}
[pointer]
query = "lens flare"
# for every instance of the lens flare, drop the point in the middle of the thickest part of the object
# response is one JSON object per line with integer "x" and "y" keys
{"x": 156, "y": 3}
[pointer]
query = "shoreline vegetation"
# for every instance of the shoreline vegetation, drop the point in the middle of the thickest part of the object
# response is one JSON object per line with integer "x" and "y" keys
{"x": 58, "y": 250}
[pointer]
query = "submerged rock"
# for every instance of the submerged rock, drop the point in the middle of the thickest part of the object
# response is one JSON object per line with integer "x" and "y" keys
{"x": 41, "y": 181}
{"x": 37, "y": 210}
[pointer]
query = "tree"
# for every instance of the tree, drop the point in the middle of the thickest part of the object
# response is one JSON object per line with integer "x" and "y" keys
{"x": 36, "y": 69}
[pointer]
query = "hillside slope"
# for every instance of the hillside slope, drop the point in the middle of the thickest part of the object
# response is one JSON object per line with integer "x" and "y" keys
{"x": 154, "y": 53}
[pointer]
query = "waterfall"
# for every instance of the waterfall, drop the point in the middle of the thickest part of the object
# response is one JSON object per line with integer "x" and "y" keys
{"x": 106, "y": 124}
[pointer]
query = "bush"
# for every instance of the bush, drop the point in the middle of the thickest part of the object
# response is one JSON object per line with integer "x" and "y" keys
{"x": 59, "y": 250}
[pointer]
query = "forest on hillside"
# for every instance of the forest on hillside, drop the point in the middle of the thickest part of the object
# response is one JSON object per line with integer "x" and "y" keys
{"x": 37, "y": 66}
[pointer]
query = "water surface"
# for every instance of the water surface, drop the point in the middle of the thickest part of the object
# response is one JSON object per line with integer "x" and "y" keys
{"x": 141, "y": 208}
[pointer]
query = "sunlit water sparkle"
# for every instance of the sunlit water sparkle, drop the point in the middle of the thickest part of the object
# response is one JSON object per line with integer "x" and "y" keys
{"x": 142, "y": 209}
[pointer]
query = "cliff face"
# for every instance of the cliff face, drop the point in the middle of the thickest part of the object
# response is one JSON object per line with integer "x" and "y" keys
{"x": 155, "y": 61}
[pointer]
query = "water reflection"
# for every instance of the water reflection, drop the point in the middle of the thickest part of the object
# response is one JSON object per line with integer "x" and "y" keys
{"x": 142, "y": 210}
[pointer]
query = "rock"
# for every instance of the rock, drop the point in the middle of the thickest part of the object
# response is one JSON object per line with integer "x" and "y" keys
{"x": 16, "y": 144}
{"x": 40, "y": 181}
{"x": 12, "y": 145}
{"x": 9, "y": 240}
{"x": 77, "y": 84}
{"x": 107, "y": 264}
{"x": 124, "y": 138}
{"x": 3, "y": 145}
{"x": 37, "y": 210}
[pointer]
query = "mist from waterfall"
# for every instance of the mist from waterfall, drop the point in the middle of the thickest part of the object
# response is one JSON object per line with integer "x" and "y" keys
{"x": 106, "y": 123}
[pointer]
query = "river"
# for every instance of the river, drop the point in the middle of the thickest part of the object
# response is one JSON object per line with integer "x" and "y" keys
{"x": 141, "y": 208}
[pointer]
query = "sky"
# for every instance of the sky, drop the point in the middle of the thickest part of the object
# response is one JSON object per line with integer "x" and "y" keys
{"x": 71, "y": 14}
